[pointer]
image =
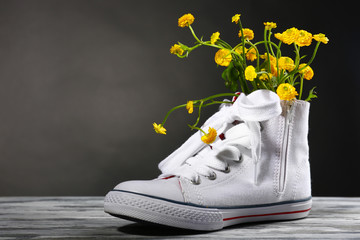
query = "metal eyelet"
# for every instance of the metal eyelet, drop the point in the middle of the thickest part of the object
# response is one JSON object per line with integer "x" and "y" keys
{"x": 212, "y": 176}
{"x": 196, "y": 181}
{"x": 227, "y": 169}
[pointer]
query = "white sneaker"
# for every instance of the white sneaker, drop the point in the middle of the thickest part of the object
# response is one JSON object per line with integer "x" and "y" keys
{"x": 256, "y": 170}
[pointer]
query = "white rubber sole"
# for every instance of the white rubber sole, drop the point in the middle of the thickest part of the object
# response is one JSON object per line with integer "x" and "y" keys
{"x": 139, "y": 207}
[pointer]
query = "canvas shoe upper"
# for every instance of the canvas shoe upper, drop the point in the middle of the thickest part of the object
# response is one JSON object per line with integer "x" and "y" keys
{"x": 257, "y": 169}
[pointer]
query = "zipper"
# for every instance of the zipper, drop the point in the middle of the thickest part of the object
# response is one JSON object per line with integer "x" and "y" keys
{"x": 284, "y": 150}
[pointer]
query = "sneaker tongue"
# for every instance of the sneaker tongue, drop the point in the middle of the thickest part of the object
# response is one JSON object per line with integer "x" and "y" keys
{"x": 239, "y": 134}
{"x": 228, "y": 147}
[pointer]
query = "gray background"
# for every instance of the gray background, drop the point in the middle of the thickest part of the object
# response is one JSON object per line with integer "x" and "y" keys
{"x": 83, "y": 81}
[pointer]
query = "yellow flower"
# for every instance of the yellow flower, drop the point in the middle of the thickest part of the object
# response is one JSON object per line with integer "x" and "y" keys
{"x": 239, "y": 49}
{"x": 289, "y": 36}
{"x": 272, "y": 58}
{"x": 304, "y": 38}
{"x": 308, "y": 72}
{"x": 286, "y": 92}
{"x": 321, "y": 38}
{"x": 265, "y": 76}
{"x": 286, "y": 63}
{"x": 159, "y": 129}
{"x": 251, "y": 54}
{"x": 186, "y": 20}
{"x": 250, "y": 73}
{"x": 176, "y": 49}
{"x": 273, "y": 67}
{"x": 248, "y": 34}
{"x": 214, "y": 37}
{"x": 269, "y": 25}
{"x": 235, "y": 18}
{"x": 190, "y": 107}
{"x": 278, "y": 36}
{"x": 210, "y": 136}
{"x": 223, "y": 57}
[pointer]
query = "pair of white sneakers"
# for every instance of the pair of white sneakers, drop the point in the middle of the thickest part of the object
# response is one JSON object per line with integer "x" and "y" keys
{"x": 256, "y": 170}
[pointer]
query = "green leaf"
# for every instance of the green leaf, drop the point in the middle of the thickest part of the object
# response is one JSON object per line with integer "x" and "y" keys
{"x": 234, "y": 87}
{"x": 230, "y": 73}
{"x": 312, "y": 94}
{"x": 231, "y": 77}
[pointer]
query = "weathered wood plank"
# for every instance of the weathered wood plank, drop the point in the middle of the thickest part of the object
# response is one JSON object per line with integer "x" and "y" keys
{"x": 83, "y": 218}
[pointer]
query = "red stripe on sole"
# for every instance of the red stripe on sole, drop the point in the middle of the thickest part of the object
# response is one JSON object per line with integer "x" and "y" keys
{"x": 268, "y": 214}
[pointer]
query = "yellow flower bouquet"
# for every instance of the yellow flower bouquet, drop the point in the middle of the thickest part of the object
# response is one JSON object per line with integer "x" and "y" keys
{"x": 248, "y": 69}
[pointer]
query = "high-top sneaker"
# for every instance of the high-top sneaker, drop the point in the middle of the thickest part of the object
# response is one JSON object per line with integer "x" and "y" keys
{"x": 256, "y": 170}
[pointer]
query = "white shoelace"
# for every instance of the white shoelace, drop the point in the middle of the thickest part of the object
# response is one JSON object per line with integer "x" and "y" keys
{"x": 191, "y": 159}
{"x": 210, "y": 160}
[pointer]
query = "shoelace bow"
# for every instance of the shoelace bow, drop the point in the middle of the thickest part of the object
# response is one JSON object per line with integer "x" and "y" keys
{"x": 191, "y": 159}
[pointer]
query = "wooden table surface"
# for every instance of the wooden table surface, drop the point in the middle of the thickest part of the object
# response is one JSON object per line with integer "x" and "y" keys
{"x": 83, "y": 218}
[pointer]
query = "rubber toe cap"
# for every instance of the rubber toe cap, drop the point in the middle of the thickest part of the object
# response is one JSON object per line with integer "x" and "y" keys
{"x": 161, "y": 188}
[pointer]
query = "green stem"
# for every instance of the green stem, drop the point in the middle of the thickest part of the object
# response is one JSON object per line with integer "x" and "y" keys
{"x": 207, "y": 99}
{"x": 263, "y": 42}
{"x": 268, "y": 81}
{"x": 314, "y": 54}
{"x": 267, "y": 50}
{"x": 253, "y": 83}
{"x": 219, "y": 95}
{"x": 207, "y": 43}
{"x": 262, "y": 84}
{"x": 199, "y": 113}
{"x": 301, "y": 86}
{"x": 297, "y": 58}
{"x": 246, "y": 88}
{"x": 257, "y": 55}
{"x": 225, "y": 44}
{"x": 269, "y": 41}
{"x": 232, "y": 50}
{"x": 215, "y": 102}
{"x": 193, "y": 33}
{"x": 193, "y": 127}
{"x": 189, "y": 50}
{"x": 278, "y": 51}
{"x": 283, "y": 79}
{"x": 312, "y": 57}
{"x": 243, "y": 43}
{"x": 295, "y": 78}
{"x": 278, "y": 55}
{"x": 272, "y": 85}
{"x": 241, "y": 86}
{"x": 170, "y": 111}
